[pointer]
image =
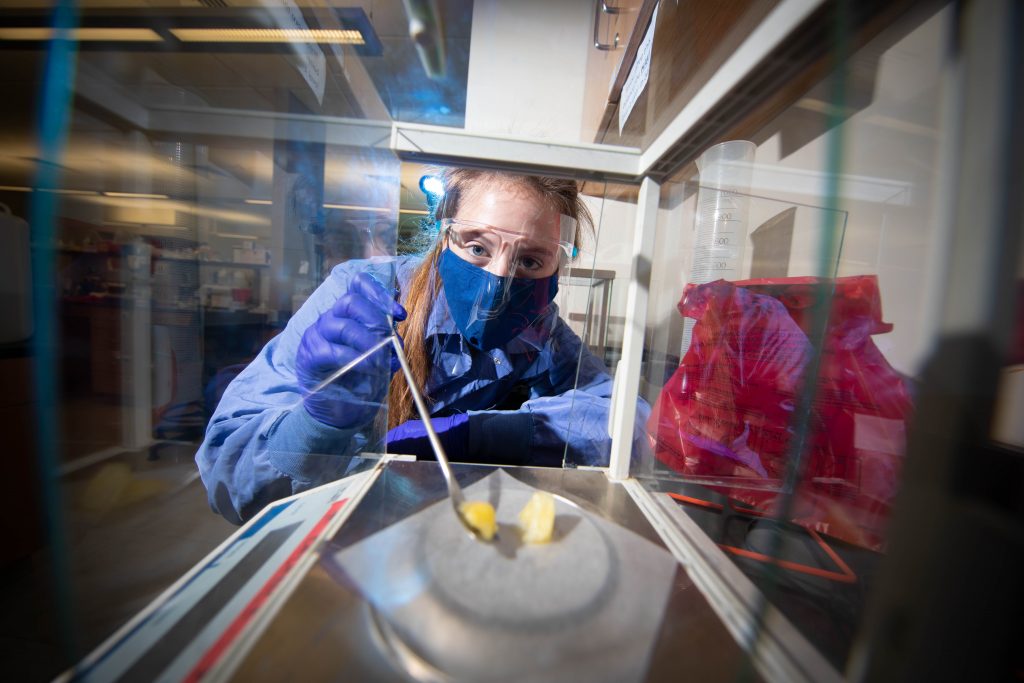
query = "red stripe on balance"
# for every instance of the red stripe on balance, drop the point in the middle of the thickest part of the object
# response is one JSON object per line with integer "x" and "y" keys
{"x": 230, "y": 634}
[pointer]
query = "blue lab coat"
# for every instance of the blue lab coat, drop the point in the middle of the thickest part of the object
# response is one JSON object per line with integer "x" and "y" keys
{"x": 262, "y": 445}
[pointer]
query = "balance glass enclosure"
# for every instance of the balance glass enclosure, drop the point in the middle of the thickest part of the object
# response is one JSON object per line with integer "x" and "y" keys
{"x": 803, "y": 274}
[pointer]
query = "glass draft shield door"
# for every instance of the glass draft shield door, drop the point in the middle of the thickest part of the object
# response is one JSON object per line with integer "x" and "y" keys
{"x": 804, "y": 273}
{"x": 189, "y": 204}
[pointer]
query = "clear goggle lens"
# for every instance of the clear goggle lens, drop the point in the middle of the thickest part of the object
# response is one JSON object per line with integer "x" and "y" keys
{"x": 524, "y": 253}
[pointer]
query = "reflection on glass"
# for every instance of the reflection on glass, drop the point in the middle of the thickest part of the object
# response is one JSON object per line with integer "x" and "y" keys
{"x": 592, "y": 300}
{"x": 782, "y": 395}
{"x": 727, "y": 412}
{"x": 197, "y": 200}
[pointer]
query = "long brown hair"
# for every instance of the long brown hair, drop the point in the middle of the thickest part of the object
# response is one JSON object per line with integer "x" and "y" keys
{"x": 561, "y": 194}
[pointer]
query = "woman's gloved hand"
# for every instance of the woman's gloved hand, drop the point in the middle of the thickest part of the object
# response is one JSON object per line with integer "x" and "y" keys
{"x": 358, "y": 320}
{"x": 410, "y": 438}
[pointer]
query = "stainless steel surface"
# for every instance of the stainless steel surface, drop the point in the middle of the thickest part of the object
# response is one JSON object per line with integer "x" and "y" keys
{"x": 325, "y": 630}
{"x": 454, "y": 491}
{"x": 512, "y": 610}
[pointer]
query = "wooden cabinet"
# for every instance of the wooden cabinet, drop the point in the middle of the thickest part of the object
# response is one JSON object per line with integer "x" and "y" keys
{"x": 609, "y": 49}
{"x": 692, "y": 41}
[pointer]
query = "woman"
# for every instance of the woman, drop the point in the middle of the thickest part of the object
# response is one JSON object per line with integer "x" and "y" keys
{"x": 508, "y": 382}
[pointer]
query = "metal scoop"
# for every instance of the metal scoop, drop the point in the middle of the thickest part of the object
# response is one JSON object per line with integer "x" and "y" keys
{"x": 454, "y": 490}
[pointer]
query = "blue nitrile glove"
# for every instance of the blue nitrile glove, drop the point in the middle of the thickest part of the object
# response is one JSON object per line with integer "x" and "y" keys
{"x": 357, "y": 321}
{"x": 410, "y": 438}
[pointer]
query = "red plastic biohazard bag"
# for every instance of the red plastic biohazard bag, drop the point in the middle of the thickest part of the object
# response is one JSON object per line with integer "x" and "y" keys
{"x": 726, "y": 417}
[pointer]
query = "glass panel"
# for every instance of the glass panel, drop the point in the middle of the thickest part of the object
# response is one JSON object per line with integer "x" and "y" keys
{"x": 613, "y": 209}
{"x": 354, "y": 61}
{"x": 781, "y": 369}
{"x": 595, "y": 308}
{"x": 489, "y": 254}
{"x": 188, "y": 215}
{"x": 562, "y": 376}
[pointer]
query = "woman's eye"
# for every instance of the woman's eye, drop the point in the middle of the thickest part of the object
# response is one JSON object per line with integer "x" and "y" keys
{"x": 530, "y": 263}
{"x": 476, "y": 250}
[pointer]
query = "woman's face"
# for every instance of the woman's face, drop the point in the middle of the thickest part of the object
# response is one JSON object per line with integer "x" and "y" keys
{"x": 508, "y": 232}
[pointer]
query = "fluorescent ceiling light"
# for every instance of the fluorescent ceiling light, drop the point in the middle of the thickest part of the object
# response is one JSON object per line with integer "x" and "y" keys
{"x": 418, "y": 212}
{"x": 261, "y": 202}
{"x": 355, "y": 207}
{"x": 237, "y": 236}
{"x": 268, "y": 35}
{"x": 15, "y": 188}
{"x": 136, "y": 195}
{"x": 229, "y": 29}
{"x": 73, "y": 192}
{"x": 144, "y": 35}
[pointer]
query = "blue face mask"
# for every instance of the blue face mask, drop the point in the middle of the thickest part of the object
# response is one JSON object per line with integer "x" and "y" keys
{"x": 488, "y": 309}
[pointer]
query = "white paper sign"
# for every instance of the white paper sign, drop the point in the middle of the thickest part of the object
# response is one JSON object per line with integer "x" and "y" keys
{"x": 637, "y": 79}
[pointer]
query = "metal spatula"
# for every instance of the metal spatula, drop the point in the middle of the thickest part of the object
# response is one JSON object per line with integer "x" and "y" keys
{"x": 454, "y": 490}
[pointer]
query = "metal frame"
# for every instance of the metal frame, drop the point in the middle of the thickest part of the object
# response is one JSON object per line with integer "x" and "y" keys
{"x": 627, "y": 374}
{"x": 417, "y": 142}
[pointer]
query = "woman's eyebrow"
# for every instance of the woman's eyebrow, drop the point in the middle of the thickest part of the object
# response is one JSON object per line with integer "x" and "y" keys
{"x": 535, "y": 248}
{"x": 474, "y": 233}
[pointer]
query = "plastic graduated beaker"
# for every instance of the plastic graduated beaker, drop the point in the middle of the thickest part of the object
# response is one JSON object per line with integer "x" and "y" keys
{"x": 723, "y": 201}
{"x": 722, "y": 206}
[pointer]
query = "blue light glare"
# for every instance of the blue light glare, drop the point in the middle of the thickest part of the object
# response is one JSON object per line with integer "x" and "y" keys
{"x": 432, "y": 186}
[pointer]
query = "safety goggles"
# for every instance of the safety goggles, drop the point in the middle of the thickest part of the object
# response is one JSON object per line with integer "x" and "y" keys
{"x": 529, "y": 253}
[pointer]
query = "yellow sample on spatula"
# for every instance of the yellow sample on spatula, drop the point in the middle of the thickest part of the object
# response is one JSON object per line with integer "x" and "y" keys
{"x": 480, "y": 516}
{"x": 537, "y": 519}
